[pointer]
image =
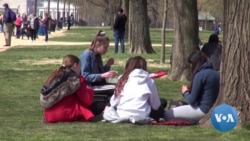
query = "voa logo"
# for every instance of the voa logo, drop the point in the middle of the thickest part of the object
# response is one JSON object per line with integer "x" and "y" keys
{"x": 224, "y": 117}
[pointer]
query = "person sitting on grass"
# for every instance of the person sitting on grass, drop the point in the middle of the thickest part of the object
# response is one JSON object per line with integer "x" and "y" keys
{"x": 202, "y": 93}
{"x": 92, "y": 67}
{"x": 135, "y": 98}
{"x": 65, "y": 95}
{"x": 95, "y": 72}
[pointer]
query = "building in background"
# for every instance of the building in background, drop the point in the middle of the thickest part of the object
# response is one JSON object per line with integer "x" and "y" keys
{"x": 42, "y": 7}
{"x": 205, "y": 20}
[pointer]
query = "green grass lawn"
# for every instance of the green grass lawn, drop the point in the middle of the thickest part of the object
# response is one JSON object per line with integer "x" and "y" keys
{"x": 22, "y": 72}
{"x": 86, "y": 34}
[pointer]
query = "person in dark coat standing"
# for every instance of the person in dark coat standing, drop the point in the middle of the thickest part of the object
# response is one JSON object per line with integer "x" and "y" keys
{"x": 119, "y": 30}
{"x": 8, "y": 25}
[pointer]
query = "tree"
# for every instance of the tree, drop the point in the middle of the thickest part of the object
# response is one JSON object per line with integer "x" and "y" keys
{"x": 163, "y": 32}
{"x": 235, "y": 67}
{"x": 185, "y": 39}
{"x": 114, "y": 5}
{"x": 68, "y": 8}
{"x": 140, "y": 40}
{"x": 57, "y": 10}
{"x": 125, "y": 6}
{"x": 64, "y": 6}
{"x": 35, "y": 7}
{"x": 49, "y": 7}
{"x": 153, "y": 8}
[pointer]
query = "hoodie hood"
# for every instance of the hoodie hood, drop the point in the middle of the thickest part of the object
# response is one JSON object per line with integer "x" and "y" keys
{"x": 206, "y": 65}
{"x": 139, "y": 75}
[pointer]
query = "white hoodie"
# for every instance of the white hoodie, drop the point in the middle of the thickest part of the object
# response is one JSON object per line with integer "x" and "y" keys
{"x": 138, "y": 96}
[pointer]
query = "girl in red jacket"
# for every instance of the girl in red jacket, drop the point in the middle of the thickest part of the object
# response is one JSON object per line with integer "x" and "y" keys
{"x": 18, "y": 24}
{"x": 65, "y": 95}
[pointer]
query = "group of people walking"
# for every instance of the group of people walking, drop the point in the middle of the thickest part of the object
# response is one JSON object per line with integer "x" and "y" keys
{"x": 24, "y": 25}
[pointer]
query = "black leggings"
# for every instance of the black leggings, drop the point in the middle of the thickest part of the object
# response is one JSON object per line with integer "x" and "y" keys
{"x": 159, "y": 113}
{"x": 33, "y": 34}
{"x": 101, "y": 100}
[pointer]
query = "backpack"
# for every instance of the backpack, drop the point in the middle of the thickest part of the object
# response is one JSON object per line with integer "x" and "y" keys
{"x": 12, "y": 16}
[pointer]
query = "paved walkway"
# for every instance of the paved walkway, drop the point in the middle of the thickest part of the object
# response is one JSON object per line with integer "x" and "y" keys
{"x": 40, "y": 41}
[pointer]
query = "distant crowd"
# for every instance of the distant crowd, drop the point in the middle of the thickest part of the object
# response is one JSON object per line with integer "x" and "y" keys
{"x": 30, "y": 26}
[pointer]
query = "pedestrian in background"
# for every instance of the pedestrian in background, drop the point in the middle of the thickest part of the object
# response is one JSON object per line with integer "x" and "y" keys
{"x": 119, "y": 30}
{"x": 8, "y": 24}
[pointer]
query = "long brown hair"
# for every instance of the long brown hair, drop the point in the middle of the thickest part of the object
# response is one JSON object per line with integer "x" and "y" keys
{"x": 136, "y": 62}
{"x": 67, "y": 63}
{"x": 196, "y": 59}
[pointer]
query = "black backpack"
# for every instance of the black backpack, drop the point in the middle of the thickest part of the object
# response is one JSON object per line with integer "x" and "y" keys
{"x": 12, "y": 16}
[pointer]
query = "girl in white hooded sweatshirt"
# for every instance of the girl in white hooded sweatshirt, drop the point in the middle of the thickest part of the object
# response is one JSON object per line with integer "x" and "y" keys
{"x": 135, "y": 97}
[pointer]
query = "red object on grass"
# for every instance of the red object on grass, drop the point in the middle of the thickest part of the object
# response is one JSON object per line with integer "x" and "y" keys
{"x": 173, "y": 122}
{"x": 158, "y": 74}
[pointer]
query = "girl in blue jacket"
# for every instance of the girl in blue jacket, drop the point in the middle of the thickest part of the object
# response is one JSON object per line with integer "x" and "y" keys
{"x": 202, "y": 93}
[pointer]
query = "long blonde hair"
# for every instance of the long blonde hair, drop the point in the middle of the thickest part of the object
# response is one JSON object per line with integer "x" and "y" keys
{"x": 67, "y": 63}
{"x": 99, "y": 39}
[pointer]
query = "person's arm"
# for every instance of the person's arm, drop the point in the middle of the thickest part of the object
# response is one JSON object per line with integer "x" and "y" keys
{"x": 192, "y": 97}
{"x": 87, "y": 71}
{"x": 114, "y": 101}
{"x": 154, "y": 98}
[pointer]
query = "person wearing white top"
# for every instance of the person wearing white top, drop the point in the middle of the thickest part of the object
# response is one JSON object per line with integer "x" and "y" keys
{"x": 135, "y": 95}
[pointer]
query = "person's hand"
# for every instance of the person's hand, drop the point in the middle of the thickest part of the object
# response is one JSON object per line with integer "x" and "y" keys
{"x": 184, "y": 89}
{"x": 110, "y": 61}
{"x": 109, "y": 74}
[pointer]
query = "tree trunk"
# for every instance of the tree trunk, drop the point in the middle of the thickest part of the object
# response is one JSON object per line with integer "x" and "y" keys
{"x": 129, "y": 22}
{"x": 153, "y": 7}
{"x": 49, "y": 7}
{"x": 235, "y": 68}
{"x": 68, "y": 8}
{"x": 114, "y": 5}
{"x": 185, "y": 39}
{"x": 57, "y": 11}
{"x": 35, "y": 7}
{"x": 140, "y": 40}
{"x": 125, "y": 5}
{"x": 64, "y": 5}
{"x": 163, "y": 32}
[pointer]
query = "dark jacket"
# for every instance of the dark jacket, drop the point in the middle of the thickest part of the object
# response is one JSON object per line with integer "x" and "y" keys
{"x": 205, "y": 88}
{"x": 92, "y": 67}
{"x": 6, "y": 16}
{"x": 120, "y": 22}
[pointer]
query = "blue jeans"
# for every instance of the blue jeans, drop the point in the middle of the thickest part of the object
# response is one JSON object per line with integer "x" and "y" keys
{"x": 45, "y": 31}
{"x": 119, "y": 37}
